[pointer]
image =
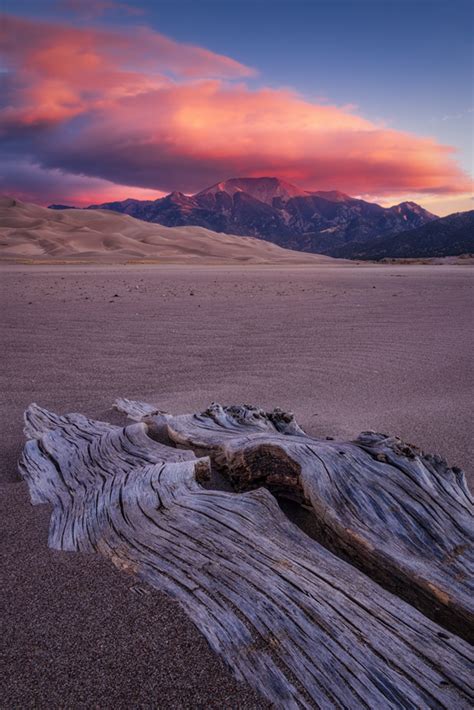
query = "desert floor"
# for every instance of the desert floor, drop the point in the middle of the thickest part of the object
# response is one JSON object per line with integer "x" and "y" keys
{"x": 346, "y": 348}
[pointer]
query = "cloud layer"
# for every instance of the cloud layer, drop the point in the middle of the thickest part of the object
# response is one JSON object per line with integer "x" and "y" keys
{"x": 133, "y": 107}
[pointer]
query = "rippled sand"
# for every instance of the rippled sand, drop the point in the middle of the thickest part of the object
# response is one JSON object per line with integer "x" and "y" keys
{"x": 345, "y": 348}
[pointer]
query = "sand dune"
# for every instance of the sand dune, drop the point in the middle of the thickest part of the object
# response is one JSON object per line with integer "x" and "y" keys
{"x": 29, "y": 232}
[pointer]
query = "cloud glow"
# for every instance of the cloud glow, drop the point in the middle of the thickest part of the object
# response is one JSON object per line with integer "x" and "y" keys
{"x": 133, "y": 107}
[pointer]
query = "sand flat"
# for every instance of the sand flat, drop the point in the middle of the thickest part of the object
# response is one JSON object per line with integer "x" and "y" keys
{"x": 345, "y": 348}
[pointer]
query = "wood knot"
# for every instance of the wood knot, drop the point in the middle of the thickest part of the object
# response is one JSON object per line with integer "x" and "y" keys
{"x": 202, "y": 471}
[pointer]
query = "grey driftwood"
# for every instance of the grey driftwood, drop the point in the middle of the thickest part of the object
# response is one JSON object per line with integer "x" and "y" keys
{"x": 405, "y": 518}
{"x": 299, "y": 624}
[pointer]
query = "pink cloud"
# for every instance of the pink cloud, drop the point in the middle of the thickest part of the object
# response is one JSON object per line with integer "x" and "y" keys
{"x": 58, "y": 71}
{"x": 137, "y": 108}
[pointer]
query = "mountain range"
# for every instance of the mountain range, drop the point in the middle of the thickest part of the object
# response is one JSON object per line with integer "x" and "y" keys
{"x": 323, "y": 222}
{"x": 448, "y": 236}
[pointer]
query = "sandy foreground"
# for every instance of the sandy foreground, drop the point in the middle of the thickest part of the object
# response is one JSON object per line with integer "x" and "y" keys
{"x": 345, "y": 348}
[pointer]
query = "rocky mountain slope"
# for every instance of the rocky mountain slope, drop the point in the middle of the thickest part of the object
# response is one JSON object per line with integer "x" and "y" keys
{"x": 271, "y": 209}
{"x": 447, "y": 236}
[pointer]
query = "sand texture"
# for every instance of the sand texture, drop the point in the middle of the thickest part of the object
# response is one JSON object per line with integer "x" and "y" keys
{"x": 32, "y": 233}
{"x": 347, "y": 349}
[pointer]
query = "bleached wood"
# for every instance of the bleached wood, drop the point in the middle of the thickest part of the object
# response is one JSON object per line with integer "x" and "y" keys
{"x": 301, "y": 626}
{"x": 404, "y": 517}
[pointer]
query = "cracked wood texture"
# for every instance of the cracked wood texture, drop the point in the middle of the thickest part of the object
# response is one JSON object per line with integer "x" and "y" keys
{"x": 300, "y": 625}
{"x": 403, "y": 517}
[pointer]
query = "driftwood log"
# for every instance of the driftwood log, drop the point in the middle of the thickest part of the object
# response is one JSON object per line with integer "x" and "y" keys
{"x": 299, "y": 624}
{"x": 405, "y": 518}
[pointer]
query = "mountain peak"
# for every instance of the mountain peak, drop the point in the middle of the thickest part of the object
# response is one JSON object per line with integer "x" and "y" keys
{"x": 411, "y": 208}
{"x": 177, "y": 198}
{"x": 264, "y": 189}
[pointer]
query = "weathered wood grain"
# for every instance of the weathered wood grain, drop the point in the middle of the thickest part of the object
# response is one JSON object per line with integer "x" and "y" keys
{"x": 303, "y": 627}
{"x": 405, "y": 518}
